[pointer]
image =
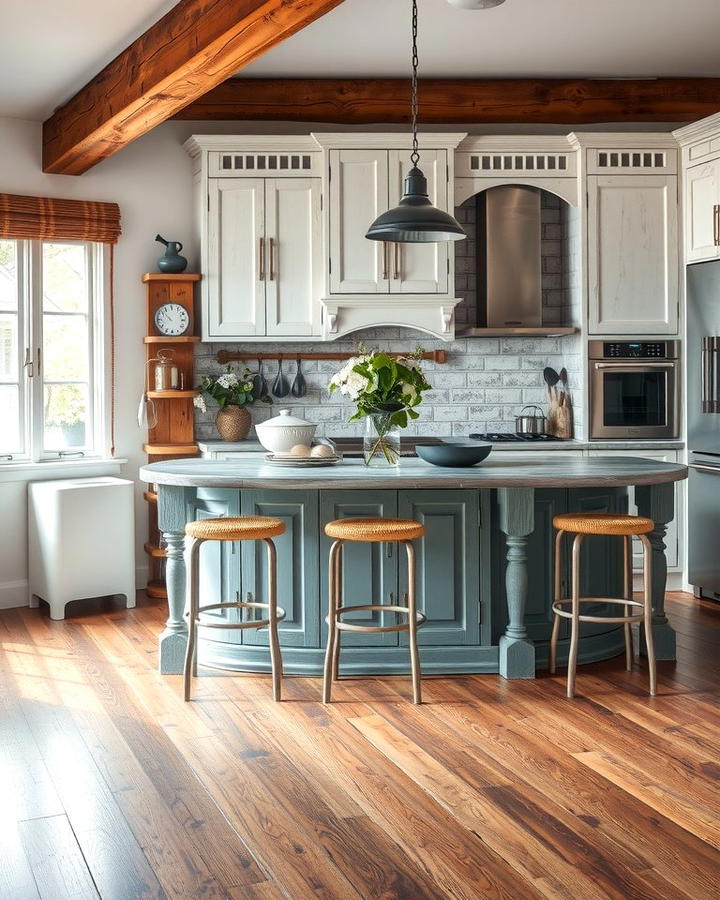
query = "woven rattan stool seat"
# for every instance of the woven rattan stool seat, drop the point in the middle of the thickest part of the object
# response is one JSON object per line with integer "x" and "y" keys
{"x": 603, "y": 523}
{"x": 240, "y": 528}
{"x": 374, "y": 530}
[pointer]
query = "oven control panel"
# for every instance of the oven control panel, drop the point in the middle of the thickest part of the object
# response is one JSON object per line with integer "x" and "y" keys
{"x": 635, "y": 350}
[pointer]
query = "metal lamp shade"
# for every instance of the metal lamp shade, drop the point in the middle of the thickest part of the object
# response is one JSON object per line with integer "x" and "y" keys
{"x": 415, "y": 220}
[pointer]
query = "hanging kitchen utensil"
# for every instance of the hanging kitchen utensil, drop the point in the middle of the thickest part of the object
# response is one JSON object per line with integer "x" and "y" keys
{"x": 299, "y": 388}
{"x": 260, "y": 385}
{"x": 146, "y": 414}
{"x": 280, "y": 387}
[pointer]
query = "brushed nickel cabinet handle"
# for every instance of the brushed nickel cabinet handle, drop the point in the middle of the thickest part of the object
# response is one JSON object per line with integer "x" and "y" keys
{"x": 272, "y": 259}
{"x": 715, "y": 224}
{"x": 384, "y": 260}
{"x": 396, "y": 274}
{"x": 261, "y": 267}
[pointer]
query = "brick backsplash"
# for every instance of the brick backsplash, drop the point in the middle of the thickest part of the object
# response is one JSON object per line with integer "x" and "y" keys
{"x": 484, "y": 383}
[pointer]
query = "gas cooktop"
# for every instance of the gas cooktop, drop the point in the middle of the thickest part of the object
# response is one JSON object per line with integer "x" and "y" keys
{"x": 353, "y": 446}
{"x": 511, "y": 438}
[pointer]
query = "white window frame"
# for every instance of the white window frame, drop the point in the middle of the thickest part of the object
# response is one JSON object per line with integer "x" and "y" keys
{"x": 30, "y": 363}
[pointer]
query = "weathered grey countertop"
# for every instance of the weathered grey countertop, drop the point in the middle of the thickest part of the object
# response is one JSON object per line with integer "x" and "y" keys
{"x": 414, "y": 473}
{"x": 253, "y": 446}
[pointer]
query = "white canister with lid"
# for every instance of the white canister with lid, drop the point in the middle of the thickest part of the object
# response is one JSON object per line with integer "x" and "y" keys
{"x": 281, "y": 433}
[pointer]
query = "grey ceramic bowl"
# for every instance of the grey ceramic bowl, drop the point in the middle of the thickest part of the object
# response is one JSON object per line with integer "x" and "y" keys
{"x": 453, "y": 455}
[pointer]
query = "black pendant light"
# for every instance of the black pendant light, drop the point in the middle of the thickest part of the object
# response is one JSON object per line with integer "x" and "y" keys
{"x": 415, "y": 219}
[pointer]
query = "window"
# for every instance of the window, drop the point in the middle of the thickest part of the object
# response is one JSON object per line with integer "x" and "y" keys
{"x": 53, "y": 381}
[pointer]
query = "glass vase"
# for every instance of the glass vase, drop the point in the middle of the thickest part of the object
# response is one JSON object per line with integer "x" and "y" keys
{"x": 381, "y": 443}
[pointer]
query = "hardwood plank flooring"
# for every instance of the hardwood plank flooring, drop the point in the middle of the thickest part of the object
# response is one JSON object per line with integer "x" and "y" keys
{"x": 112, "y": 786}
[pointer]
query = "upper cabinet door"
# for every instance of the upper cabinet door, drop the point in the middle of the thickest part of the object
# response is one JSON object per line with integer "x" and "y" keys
{"x": 293, "y": 237}
{"x": 358, "y": 195}
{"x": 235, "y": 258}
{"x": 633, "y": 254}
{"x": 702, "y": 212}
{"x": 419, "y": 268}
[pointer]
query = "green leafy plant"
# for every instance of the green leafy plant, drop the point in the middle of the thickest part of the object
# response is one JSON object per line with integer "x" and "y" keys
{"x": 377, "y": 382}
{"x": 386, "y": 388}
{"x": 230, "y": 388}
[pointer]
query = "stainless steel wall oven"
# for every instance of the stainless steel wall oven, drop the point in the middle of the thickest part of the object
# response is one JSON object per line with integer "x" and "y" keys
{"x": 634, "y": 389}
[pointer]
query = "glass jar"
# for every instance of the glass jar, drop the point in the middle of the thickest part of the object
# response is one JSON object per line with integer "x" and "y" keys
{"x": 167, "y": 377}
{"x": 381, "y": 443}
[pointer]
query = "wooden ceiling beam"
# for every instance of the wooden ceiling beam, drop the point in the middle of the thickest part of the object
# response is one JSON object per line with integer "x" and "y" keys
{"x": 458, "y": 102}
{"x": 196, "y": 46}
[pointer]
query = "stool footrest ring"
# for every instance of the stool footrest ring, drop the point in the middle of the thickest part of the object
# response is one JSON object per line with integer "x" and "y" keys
{"x": 558, "y": 605}
{"x": 237, "y": 626}
{"x": 420, "y": 618}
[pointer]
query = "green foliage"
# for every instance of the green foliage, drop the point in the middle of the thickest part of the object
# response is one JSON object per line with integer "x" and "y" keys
{"x": 65, "y": 404}
{"x": 230, "y": 388}
{"x": 377, "y": 382}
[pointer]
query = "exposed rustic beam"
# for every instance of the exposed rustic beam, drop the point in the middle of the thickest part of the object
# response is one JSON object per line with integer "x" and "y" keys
{"x": 451, "y": 101}
{"x": 193, "y": 48}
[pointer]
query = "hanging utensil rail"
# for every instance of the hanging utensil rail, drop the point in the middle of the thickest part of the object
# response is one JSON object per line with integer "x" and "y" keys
{"x": 225, "y": 356}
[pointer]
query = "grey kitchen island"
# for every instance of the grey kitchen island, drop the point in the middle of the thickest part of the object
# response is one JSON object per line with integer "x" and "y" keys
{"x": 484, "y": 567}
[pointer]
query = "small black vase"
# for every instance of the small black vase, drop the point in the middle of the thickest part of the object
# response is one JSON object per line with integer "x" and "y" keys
{"x": 171, "y": 263}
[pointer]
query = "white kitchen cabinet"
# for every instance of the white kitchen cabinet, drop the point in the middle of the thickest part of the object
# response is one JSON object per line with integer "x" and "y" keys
{"x": 363, "y": 185}
{"x": 358, "y": 194}
{"x": 702, "y": 211}
{"x": 673, "y": 544}
{"x": 633, "y": 277}
{"x": 293, "y": 235}
{"x": 235, "y": 259}
{"x": 264, "y": 258}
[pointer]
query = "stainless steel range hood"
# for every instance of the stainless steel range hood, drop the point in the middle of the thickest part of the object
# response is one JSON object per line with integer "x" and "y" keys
{"x": 513, "y": 268}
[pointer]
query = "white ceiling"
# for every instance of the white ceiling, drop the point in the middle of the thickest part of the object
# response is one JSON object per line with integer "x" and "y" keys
{"x": 523, "y": 38}
{"x": 48, "y": 50}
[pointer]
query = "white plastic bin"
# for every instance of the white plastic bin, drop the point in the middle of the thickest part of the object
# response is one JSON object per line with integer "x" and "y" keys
{"x": 80, "y": 541}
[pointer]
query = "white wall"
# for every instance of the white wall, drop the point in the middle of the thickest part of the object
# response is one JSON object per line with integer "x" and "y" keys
{"x": 152, "y": 182}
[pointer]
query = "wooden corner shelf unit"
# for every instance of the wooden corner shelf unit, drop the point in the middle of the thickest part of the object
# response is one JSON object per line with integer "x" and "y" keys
{"x": 173, "y": 437}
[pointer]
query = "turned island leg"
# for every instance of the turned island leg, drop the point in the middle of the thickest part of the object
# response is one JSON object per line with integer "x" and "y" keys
{"x": 657, "y": 502}
{"x": 517, "y": 521}
{"x": 172, "y": 643}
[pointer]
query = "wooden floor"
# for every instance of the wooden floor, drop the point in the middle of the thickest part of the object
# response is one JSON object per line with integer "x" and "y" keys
{"x": 110, "y": 785}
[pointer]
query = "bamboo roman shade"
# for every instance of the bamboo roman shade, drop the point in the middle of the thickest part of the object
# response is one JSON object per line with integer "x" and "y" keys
{"x": 46, "y": 218}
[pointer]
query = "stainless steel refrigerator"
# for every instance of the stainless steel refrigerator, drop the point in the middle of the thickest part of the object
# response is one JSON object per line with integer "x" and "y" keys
{"x": 703, "y": 427}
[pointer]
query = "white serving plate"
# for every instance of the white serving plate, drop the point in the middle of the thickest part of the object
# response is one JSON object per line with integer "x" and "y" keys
{"x": 301, "y": 462}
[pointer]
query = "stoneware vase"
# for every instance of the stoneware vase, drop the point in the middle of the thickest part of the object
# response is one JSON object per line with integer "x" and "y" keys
{"x": 171, "y": 263}
{"x": 233, "y": 423}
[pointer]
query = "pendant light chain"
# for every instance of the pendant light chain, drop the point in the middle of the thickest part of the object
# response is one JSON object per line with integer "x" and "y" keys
{"x": 414, "y": 156}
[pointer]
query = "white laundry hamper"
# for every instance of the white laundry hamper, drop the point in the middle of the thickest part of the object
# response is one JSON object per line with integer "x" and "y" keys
{"x": 80, "y": 541}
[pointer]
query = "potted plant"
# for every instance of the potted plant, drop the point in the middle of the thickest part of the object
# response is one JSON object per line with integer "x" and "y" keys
{"x": 385, "y": 390}
{"x": 233, "y": 392}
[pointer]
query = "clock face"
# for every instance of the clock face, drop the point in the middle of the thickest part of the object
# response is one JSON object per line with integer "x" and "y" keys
{"x": 171, "y": 319}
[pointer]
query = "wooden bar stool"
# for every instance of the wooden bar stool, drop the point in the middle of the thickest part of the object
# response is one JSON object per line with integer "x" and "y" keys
{"x": 627, "y": 527}
{"x": 240, "y": 528}
{"x": 370, "y": 530}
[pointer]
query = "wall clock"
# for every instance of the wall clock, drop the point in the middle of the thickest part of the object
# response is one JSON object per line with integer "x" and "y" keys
{"x": 171, "y": 319}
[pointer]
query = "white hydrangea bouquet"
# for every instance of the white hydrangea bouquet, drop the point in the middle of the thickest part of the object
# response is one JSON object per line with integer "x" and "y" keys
{"x": 385, "y": 389}
{"x": 229, "y": 389}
